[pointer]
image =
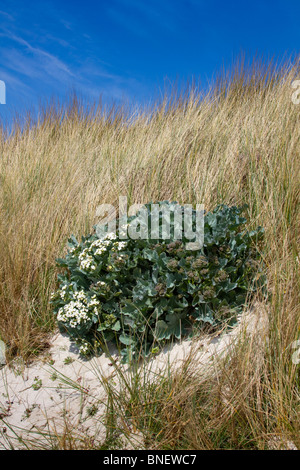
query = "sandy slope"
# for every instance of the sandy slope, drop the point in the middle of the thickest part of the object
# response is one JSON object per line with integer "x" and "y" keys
{"x": 60, "y": 389}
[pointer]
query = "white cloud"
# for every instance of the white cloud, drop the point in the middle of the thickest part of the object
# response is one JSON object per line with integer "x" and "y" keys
{"x": 51, "y": 63}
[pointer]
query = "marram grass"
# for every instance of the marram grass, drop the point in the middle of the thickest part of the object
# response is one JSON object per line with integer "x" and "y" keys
{"x": 237, "y": 144}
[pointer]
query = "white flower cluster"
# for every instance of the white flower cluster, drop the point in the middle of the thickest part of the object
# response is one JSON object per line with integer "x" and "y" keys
{"x": 79, "y": 310}
{"x": 98, "y": 247}
{"x": 53, "y": 295}
{"x": 102, "y": 286}
{"x": 87, "y": 262}
{"x": 62, "y": 293}
{"x": 102, "y": 245}
{"x": 84, "y": 348}
{"x": 118, "y": 246}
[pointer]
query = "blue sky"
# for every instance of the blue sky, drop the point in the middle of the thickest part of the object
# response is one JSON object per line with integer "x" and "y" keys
{"x": 130, "y": 49}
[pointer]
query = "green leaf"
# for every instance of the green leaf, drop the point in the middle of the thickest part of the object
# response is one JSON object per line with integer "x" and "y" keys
{"x": 150, "y": 254}
{"x": 170, "y": 280}
{"x": 116, "y": 326}
{"x": 161, "y": 329}
{"x": 173, "y": 326}
{"x": 228, "y": 286}
{"x": 127, "y": 340}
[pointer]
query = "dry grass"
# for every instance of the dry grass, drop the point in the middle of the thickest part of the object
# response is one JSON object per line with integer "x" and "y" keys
{"x": 240, "y": 143}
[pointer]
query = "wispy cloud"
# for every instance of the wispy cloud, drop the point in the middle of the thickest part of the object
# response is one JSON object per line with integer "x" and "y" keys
{"x": 23, "y": 59}
{"x": 51, "y": 63}
{"x": 57, "y": 56}
{"x": 15, "y": 83}
{"x": 6, "y": 15}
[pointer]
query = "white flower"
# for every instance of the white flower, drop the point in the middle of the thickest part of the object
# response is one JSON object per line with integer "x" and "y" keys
{"x": 63, "y": 292}
{"x": 80, "y": 295}
{"x": 100, "y": 251}
{"x": 103, "y": 244}
{"x": 93, "y": 301}
{"x": 74, "y": 313}
{"x": 117, "y": 246}
{"x": 86, "y": 261}
{"x": 122, "y": 245}
{"x": 78, "y": 311}
{"x": 52, "y": 295}
{"x": 111, "y": 236}
{"x": 84, "y": 348}
{"x": 98, "y": 248}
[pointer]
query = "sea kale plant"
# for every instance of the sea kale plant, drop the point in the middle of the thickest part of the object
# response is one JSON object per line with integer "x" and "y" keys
{"x": 141, "y": 293}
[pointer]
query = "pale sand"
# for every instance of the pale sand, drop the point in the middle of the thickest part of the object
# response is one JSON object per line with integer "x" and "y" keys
{"x": 25, "y": 408}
